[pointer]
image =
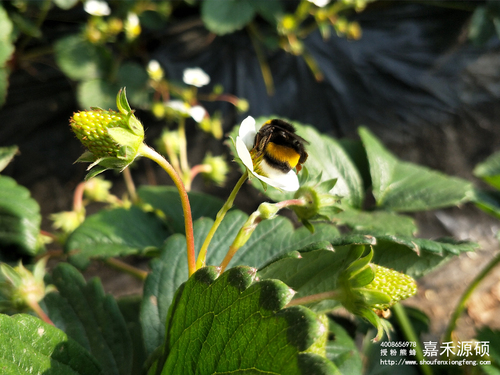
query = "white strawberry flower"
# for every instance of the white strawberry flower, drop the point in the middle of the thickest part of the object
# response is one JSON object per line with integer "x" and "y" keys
{"x": 265, "y": 173}
{"x": 195, "y": 77}
{"x": 197, "y": 112}
{"x": 97, "y": 8}
{"x": 319, "y": 3}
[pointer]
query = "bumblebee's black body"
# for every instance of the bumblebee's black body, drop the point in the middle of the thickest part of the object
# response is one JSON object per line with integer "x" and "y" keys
{"x": 280, "y": 146}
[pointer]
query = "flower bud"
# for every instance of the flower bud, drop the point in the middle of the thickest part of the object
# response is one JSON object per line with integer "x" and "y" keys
{"x": 132, "y": 26}
{"x": 168, "y": 143}
{"x": 320, "y": 203}
{"x": 21, "y": 288}
{"x": 67, "y": 221}
{"x": 158, "y": 110}
{"x": 268, "y": 210}
{"x": 155, "y": 71}
{"x": 354, "y": 31}
{"x": 287, "y": 24}
{"x": 217, "y": 169}
{"x": 97, "y": 189}
{"x": 242, "y": 105}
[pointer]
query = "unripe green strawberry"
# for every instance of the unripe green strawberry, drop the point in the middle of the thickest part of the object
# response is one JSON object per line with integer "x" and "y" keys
{"x": 395, "y": 284}
{"x": 363, "y": 288}
{"x": 91, "y": 128}
{"x": 112, "y": 139}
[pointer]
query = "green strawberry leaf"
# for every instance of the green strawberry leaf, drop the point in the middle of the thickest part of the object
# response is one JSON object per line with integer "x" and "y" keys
{"x": 166, "y": 199}
{"x": 115, "y": 232}
{"x": 404, "y": 187}
{"x": 317, "y": 270}
{"x": 342, "y": 351}
{"x": 328, "y": 159}
{"x": 4, "y": 84}
{"x": 91, "y": 318}
{"x": 97, "y": 92}
{"x": 376, "y": 222}
{"x": 6, "y": 155}
{"x": 82, "y": 60}
{"x": 130, "y": 307}
{"x": 230, "y": 323}
{"x": 65, "y": 4}
{"x": 223, "y": 17}
{"x": 417, "y": 256}
{"x": 489, "y": 170}
{"x": 30, "y": 346}
{"x": 20, "y": 218}
{"x": 134, "y": 77}
{"x": 271, "y": 238}
{"x": 314, "y": 272}
{"x": 488, "y": 201}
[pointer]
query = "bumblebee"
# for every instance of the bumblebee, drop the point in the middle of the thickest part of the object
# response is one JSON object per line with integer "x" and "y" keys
{"x": 280, "y": 147}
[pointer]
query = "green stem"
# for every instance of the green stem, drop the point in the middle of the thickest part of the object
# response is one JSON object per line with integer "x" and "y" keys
{"x": 78, "y": 197}
{"x": 218, "y": 219}
{"x": 41, "y": 314}
{"x": 314, "y": 298}
{"x": 129, "y": 183}
{"x": 261, "y": 58}
{"x": 148, "y": 152}
{"x": 127, "y": 268}
{"x": 241, "y": 238}
{"x": 468, "y": 292}
{"x": 186, "y": 172}
{"x": 200, "y": 168}
{"x": 229, "y": 255}
{"x": 253, "y": 220}
{"x": 410, "y": 335}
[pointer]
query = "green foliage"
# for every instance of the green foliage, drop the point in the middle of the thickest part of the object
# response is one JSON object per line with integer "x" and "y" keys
{"x": 270, "y": 239}
{"x": 485, "y": 22}
{"x": 30, "y": 346}
{"x": 116, "y": 232}
{"x": 6, "y": 155}
{"x": 91, "y": 318}
{"x": 376, "y": 222}
{"x": 6, "y": 50}
{"x": 166, "y": 199}
{"x": 236, "y": 321}
{"x": 81, "y": 60}
{"x": 223, "y": 17}
{"x": 489, "y": 170}
{"x": 342, "y": 350}
{"x": 233, "y": 323}
{"x": 404, "y": 187}
{"x": 20, "y": 218}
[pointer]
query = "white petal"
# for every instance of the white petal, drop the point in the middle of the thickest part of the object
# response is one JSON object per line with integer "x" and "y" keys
{"x": 287, "y": 182}
{"x": 197, "y": 113}
{"x": 132, "y": 20}
{"x": 319, "y": 3}
{"x": 247, "y": 132}
{"x": 179, "y": 106}
{"x": 154, "y": 65}
{"x": 244, "y": 154}
{"x": 97, "y": 8}
{"x": 196, "y": 77}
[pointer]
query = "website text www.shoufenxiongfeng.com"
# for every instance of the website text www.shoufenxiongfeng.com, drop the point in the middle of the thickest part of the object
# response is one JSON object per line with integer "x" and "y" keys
{"x": 438, "y": 362}
{"x": 462, "y": 353}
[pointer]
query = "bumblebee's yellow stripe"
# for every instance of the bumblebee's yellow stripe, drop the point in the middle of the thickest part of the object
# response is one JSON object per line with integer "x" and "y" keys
{"x": 283, "y": 154}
